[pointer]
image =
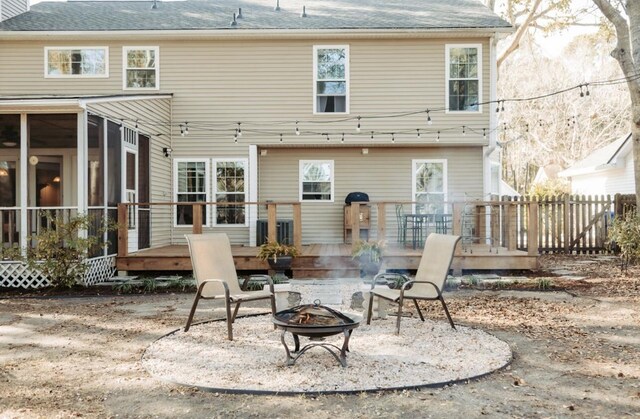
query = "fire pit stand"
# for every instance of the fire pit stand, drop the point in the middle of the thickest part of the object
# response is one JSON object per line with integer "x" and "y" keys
{"x": 315, "y": 322}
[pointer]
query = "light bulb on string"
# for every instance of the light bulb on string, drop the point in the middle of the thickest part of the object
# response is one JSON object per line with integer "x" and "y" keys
{"x": 239, "y": 130}
{"x": 502, "y": 108}
{"x": 429, "y": 121}
{"x": 136, "y": 124}
{"x": 371, "y": 135}
{"x": 297, "y": 129}
{"x": 280, "y": 137}
{"x": 484, "y": 133}
{"x": 393, "y": 137}
{"x": 342, "y": 140}
{"x": 418, "y": 132}
{"x": 235, "y": 136}
{"x": 186, "y": 128}
{"x": 438, "y": 137}
{"x": 327, "y": 137}
{"x": 358, "y": 128}
{"x": 181, "y": 130}
{"x": 464, "y": 131}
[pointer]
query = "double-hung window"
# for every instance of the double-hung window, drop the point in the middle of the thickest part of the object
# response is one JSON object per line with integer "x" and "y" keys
{"x": 230, "y": 186}
{"x": 76, "y": 62}
{"x": 191, "y": 185}
{"x": 140, "y": 67}
{"x": 316, "y": 180}
{"x": 464, "y": 81}
{"x": 331, "y": 79}
{"x": 430, "y": 186}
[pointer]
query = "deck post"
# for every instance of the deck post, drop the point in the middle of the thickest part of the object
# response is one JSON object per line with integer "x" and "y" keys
{"x": 123, "y": 231}
{"x": 297, "y": 225}
{"x": 511, "y": 226}
{"x": 457, "y": 223}
{"x": 197, "y": 219}
{"x": 355, "y": 223}
{"x": 272, "y": 210}
{"x": 566, "y": 231}
{"x": 532, "y": 229}
{"x": 382, "y": 221}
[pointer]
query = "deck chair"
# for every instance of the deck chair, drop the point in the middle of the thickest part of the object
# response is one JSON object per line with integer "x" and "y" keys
{"x": 216, "y": 277}
{"x": 429, "y": 281}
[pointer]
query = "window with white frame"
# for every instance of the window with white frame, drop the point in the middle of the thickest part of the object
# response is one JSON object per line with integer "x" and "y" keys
{"x": 140, "y": 67}
{"x": 76, "y": 62}
{"x": 331, "y": 79}
{"x": 191, "y": 185}
{"x": 230, "y": 186}
{"x": 316, "y": 180}
{"x": 430, "y": 186}
{"x": 464, "y": 81}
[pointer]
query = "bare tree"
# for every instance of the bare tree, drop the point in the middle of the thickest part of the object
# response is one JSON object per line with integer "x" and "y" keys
{"x": 625, "y": 18}
{"x": 524, "y": 15}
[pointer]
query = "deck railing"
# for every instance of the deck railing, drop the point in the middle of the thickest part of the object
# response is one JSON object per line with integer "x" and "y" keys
{"x": 494, "y": 223}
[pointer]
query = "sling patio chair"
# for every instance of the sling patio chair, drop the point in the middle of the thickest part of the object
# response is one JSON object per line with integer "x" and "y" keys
{"x": 216, "y": 277}
{"x": 429, "y": 281}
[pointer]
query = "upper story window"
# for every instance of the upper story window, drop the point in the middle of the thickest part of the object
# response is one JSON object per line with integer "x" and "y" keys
{"x": 464, "y": 81}
{"x": 316, "y": 180}
{"x": 230, "y": 186}
{"x": 76, "y": 61}
{"x": 331, "y": 79}
{"x": 430, "y": 186}
{"x": 140, "y": 67}
{"x": 191, "y": 185}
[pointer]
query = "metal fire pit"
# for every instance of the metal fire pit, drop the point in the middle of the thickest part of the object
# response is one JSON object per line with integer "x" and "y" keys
{"x": 316, "y": 322}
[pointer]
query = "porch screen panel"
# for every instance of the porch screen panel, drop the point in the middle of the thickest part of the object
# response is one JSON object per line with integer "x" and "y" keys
{"x": 95, "y": 163}
{"x": 144, "y": 216}
{"x": 114, "y": 164}
{"x": 230, "y": 187}
{"x": 191, "y": 187}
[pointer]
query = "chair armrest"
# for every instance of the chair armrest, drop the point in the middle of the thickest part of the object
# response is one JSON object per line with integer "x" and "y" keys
{"x": 224, "y": 285}
{"x": 268, "y": 278}
{"x": 420, "y": 282}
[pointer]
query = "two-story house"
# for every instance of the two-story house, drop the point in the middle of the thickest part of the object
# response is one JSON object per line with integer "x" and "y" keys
{"x": 301, "y": 101}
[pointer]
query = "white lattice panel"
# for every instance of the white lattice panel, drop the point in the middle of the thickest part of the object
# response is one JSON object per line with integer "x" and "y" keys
{"x": 100, "y": 269}
{"x": 18, "y": 275}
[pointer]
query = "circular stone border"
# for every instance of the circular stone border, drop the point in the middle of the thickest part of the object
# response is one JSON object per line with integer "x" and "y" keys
{"x": 226, "y": 390}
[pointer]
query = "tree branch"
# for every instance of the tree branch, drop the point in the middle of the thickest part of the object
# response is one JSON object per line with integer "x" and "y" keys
{"x": 515, "y": 42}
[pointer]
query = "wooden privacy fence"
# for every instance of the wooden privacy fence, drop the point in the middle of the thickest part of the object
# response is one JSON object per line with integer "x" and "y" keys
{"x": 570, "y": 223}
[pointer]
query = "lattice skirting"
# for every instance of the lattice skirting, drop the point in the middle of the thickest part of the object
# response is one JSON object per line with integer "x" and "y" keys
{"x": 18, "y": 275}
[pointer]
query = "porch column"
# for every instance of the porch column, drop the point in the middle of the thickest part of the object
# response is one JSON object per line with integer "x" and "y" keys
{"x": 24, "y": 181}
{"x": 253, "y": 193}
{"x": 82, "y": 167}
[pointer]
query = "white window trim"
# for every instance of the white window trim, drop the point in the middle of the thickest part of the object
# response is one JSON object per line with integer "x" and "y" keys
{"x": 214, "y": 167}
{"x": 445, "y": 182}
{"x": 332, "y": 174}
{"x": 76, "y": 76}
{"x": 126, "y": 49}
{"x": 207, "y": 186}
{"x": 447, "y": 76}
{"x": 347, "y": 78}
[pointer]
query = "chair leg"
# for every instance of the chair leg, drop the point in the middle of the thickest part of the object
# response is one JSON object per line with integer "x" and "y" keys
{"x": 235, "y": 311}
{"x": 400, "y": 304}
{"x": 227, "y": 304}
{"x": 418, "y": 308}
{"x": 273, "y": 308}
{"x": 193, "y": 311}
{"x": 370, "y": 308}
{"x": 446, "y": 311}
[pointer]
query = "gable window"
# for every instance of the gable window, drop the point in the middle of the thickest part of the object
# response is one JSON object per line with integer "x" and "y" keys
{"x": 316, "y": 180}
{"x": 331, "y": 79}
{"x": 191, "y": 185}
{"x": 76, "y": 62}
{"x": 430, "y": 186}
{"x": 230, "y": 187}
{"x": 464, "y": 82}
{"x": 140, "y": 67}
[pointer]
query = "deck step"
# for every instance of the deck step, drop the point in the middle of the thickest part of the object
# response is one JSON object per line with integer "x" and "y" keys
{"x": 325, "y": 273}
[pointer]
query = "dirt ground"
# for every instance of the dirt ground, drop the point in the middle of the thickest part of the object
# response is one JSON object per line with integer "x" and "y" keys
{"x": 576, "y": 354}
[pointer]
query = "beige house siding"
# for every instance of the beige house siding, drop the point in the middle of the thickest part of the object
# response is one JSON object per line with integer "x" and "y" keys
{"x": 384, "y": 173}
{"x": 160, "y": 166}
{"x": 11, "y": 8}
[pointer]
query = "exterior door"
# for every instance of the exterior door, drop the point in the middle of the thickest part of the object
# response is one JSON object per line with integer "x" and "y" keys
{"x": 130, "y": 183}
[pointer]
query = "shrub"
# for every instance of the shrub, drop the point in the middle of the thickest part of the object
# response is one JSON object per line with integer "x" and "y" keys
{"x": 625, "y": 235}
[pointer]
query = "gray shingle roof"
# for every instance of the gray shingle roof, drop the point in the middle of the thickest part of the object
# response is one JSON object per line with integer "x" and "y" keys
{"x": 257, "y": 14}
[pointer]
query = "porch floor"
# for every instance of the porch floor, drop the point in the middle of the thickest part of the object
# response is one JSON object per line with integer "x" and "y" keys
{"x": 330, "y": 260}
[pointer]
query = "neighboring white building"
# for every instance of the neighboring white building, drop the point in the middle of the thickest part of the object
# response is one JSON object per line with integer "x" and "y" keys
{"x": 606, "y": 171}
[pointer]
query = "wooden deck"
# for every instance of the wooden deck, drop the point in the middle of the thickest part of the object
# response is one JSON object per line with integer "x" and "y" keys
{"x": 329, "y": 260}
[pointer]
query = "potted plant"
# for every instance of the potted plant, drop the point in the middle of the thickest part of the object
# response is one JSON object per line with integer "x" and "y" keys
{"x": 279, "y": 255}
{"x": 369, "y": 255}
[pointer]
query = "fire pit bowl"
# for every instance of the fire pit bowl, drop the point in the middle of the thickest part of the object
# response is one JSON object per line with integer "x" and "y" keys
{"x": 316, "y": 322}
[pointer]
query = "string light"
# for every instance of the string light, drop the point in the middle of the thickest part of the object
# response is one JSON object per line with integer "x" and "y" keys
{"x": 484, "y": 133}
{"x": 438, "y": 137}
{"x": 297, "y": 130}
{"x": 342, "y": 140}
{"x": 186, "y": 128}
{"x": 429, "y": 121}
{"x": 393, "y": 137}
{"x": 358, "y": 127}
{"x": 418, "y": 132}
{"x": 464, "y": 132}
{"x": 136, "y": 124}
{"x": 181, "y": 130}
{"x": 327, "y": 137}
{"x": 281, "y": 137}
{"x": 235, "y": 136}
{"x": 239, "y": 130}
{"x": 371, "y": 135}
